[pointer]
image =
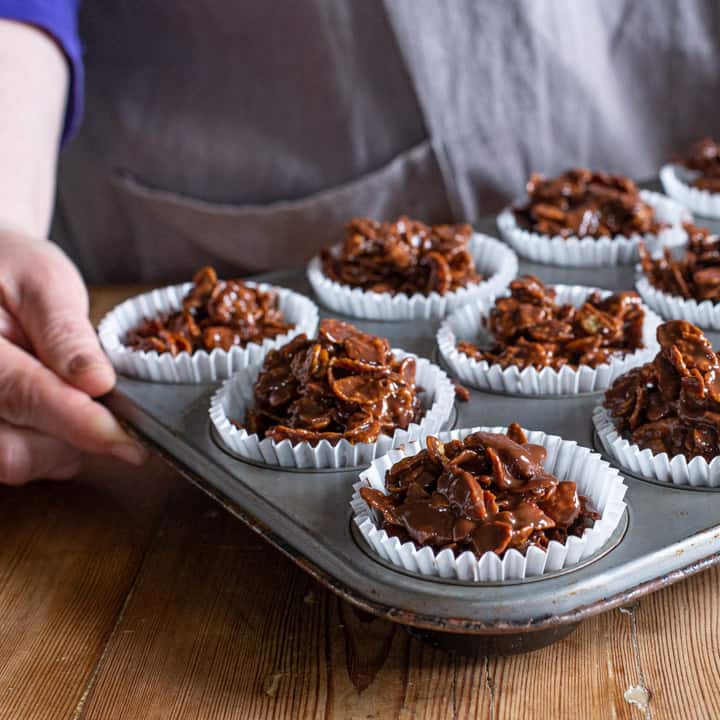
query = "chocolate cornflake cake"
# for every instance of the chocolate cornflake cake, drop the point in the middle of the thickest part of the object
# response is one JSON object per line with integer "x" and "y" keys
{"x": 695, "y": 275}
{"x": 704, "y": 158}
{"x": 582, "y": 203}
{"x": 215, "y": 314}
{"x": 672, "y": 404}
{"x": 344, "y": 384}
{"x": 405, "y": 256}
{"x": 530, "y": 329}
{"x": 488, "y": 492}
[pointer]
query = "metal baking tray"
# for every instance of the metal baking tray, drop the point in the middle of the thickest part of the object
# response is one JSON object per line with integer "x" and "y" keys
{"x": 668, "y": 532}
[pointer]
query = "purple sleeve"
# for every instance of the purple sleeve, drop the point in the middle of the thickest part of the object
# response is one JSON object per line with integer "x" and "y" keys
{"x": 59, "y": 19}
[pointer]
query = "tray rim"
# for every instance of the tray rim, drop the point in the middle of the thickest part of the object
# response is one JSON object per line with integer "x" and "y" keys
{"x": 413, "y": 619}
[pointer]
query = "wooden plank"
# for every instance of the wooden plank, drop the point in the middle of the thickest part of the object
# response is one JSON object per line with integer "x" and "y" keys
{"x": 679, "y": 646}
{"x": 583, "y": 676}
{"x": 217, "y": 627}
{"x": 377, "y": 670}
{"x": 69, "y": 554}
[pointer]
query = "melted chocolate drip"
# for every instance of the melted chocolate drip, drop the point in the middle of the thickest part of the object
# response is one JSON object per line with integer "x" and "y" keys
{"x": 487, "y": 493}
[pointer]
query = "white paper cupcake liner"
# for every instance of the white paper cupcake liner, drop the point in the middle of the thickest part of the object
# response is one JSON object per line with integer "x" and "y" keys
{"x": 676, "y": 470}
{"x": 705, "y": 314}
{"x": 591, "y": 252}
{"x": 493, "y": 260}
{"x": 467, "y": 323}
{"x": 201, "y": 366}
{"x": 235, "y": 397}
{"x": 567, "y": 460}
{"x": 676, "y": 181}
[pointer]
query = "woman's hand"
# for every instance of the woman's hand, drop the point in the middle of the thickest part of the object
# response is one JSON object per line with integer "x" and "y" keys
{"x": 51, "y": 366}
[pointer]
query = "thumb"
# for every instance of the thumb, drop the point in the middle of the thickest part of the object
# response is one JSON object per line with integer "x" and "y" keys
{"x": 51, "y": 306}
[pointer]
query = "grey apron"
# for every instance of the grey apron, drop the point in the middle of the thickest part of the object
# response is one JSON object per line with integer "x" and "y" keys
{"x": 244, "y": 134}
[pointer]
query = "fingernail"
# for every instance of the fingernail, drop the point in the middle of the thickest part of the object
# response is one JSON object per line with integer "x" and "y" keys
{"x": 108, "y": 429}
{"x": 93, "y": 371}
{"x": 130, "y": 452}
{"x": 81, "y": 362}
{"x": 121, "y": 444}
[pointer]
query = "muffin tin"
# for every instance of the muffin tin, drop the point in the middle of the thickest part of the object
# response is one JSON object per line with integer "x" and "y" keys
{"x": 668, "y": 532}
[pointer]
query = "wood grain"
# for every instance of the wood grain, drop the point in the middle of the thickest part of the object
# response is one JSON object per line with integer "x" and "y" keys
{"x": 585, "y": 675}
{"x": 217, "y": 627}
{"x": 679, "y": 643}
{"x": 68, "y": 557}
{"x": 377, "y": 670}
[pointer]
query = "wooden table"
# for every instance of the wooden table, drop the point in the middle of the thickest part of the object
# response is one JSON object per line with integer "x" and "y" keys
{"x": 129, "y": 594}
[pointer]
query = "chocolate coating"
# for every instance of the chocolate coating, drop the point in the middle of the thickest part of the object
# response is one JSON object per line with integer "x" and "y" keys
{"x": 405, "y": 256}
{"x": 530, "y": 329}
{"x": 695, "y": 275}
{"x": 344, "y": 384}
{"x": 704, "y": 158}
{"x": 582, "y": 203}
{"x": 486, "y": 493}
{"x": 672, "y": 404}
{"x": 215, "y": 314}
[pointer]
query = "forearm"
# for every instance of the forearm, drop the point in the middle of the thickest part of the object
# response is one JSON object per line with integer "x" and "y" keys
{"x": 33, "y": 91}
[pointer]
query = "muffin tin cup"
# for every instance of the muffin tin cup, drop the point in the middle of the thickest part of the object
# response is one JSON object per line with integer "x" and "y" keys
{"x": 467, "y": 322}
{"x": 705, "y": 314}
{"x": 200, "y": 366}
{"x": 493, "y": 259}
{"x": 676, "y": 470}
{"x": 676, "y": 181}
{"x": 567, "y": 460}
{"x": 235, "y": 397}
{"x": 591, "y": 252}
